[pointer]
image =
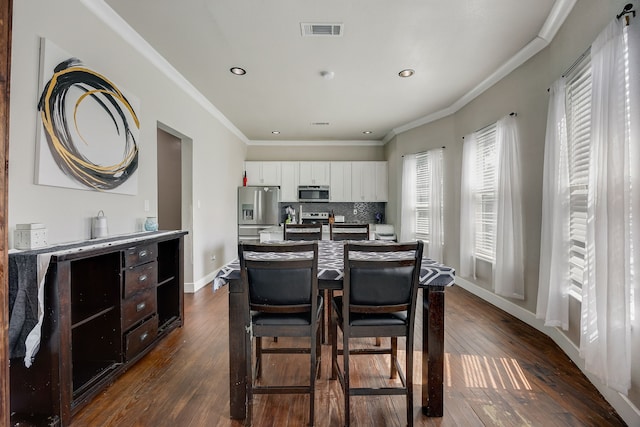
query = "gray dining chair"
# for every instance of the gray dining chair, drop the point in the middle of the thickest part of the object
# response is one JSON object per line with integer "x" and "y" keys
{"x": 302, "y": 231}
{"x": 341, "y": 231}
{"x": 379, "y": 299}
{"x": 283, "y": 301}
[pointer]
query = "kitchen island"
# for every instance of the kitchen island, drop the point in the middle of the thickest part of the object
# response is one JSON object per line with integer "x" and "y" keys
{"x": 277, "y": 232}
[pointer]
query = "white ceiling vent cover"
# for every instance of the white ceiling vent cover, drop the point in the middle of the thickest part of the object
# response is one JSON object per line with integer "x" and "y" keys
{"x": 314, "y": 29}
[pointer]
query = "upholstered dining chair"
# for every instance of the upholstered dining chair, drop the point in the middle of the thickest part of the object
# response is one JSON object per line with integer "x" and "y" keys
{"x": 341, "y": 231}
{"x": 283, "y": 301}
{"x": 302, "y": 232}
{"x": 379, "y": 299}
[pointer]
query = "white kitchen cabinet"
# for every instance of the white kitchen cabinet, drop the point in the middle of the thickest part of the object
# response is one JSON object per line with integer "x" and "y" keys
{"x": 289, "y": 181}
{"x": 369, "y": 182}
{"x": 262, "y": 173}
{"x": 314, "y": 173}
{"x": 382, "y": 182}
{"x": 340, "y": 181}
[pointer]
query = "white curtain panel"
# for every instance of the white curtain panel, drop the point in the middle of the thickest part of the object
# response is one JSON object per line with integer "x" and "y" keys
{"x": 434, "y": 251}
{"x": 554, "y": 278}
{"x": 508, "y": 271}
{"x": 468, "y": 207}
{"x": 408, "y": 203}
{"x": 606, "y": 326}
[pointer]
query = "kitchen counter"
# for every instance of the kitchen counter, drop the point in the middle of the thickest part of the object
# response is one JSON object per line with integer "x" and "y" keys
{"x": 277, "y": 233}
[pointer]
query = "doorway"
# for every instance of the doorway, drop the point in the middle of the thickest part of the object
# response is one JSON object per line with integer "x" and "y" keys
{"x": 169, "y": 181}
{"x": 174, "y": 170}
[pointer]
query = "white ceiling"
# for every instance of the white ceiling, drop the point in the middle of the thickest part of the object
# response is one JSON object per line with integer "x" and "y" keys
{"x": 457, "y": 48}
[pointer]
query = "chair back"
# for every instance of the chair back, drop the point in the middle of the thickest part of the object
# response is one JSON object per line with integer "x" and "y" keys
{"x": 280, "y": 278}
{"x": 302, "y": 231}
{"x": 381, "y": 278}
{"x": 338, "y": 231}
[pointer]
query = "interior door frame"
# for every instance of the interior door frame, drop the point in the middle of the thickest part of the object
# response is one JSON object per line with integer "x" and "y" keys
{"x": 6, "y": 17}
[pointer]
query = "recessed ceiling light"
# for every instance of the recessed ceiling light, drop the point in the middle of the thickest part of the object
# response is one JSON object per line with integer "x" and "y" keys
{"x": 406, "y": 73}
{"x": 238, "y": 71}
{"x": 367, "y": 132}
{"x": 275, "y": 132}
{"x": 328, "y": 75}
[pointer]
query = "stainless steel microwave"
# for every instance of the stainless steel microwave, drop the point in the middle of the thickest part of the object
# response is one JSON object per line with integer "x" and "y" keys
{"x": 313, "y": 193}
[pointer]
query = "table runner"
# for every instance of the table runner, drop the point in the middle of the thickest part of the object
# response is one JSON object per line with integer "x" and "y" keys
{"x": 331, "y": 267}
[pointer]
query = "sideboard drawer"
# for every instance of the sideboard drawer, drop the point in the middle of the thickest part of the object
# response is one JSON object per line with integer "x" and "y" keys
{"x": 140, "y": 338}
{"x": 139, "y": 278}
{"x": 140, "y": 254}
{"x": 138, "y": 307}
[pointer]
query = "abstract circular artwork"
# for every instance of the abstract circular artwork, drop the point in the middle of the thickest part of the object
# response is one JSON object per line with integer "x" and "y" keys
{"x": 90, "y": 128}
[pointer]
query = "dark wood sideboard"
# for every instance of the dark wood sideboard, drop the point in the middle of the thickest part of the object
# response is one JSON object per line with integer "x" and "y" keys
{"x": 106, "y": 305}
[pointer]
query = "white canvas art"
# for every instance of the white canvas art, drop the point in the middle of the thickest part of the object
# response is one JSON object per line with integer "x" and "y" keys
{"x": 87, "y": 127}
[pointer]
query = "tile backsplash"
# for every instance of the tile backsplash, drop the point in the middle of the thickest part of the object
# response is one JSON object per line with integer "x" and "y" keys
{"x": 353, "y": 211}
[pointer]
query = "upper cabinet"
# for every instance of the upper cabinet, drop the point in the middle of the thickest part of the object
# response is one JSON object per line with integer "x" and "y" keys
{"x": 369, "y": 182}
{"x": 314, "y": 173}
{"x": 263, "y": 173}
{"x": 364, "y": 181}
{"x": 382, "y": 182}
{"x": 289, "y": 181}
{"x": 340, "y": 182}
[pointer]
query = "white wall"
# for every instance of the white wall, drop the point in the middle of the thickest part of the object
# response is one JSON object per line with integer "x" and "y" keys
{"x": 524, "y": 91}
{"x": 218, "y": 154}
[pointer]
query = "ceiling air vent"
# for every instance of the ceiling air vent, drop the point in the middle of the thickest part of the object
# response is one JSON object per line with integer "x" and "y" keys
{"x": 320, "y": 124}
{"x": 311, "y": 30}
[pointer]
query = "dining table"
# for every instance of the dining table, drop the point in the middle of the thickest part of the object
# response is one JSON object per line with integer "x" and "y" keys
{"x": 434, "y": 279}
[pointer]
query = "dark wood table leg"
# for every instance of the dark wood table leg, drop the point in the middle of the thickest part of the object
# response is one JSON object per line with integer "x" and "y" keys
{"x": 433, "y": 351}
{"x": 237, "y": 362}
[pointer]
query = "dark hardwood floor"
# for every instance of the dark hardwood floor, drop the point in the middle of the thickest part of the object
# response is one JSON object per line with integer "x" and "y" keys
{"x": 498, "y": 372}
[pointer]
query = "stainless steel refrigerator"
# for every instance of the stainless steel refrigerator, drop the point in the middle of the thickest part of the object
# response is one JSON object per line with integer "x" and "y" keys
{"x": 257, "y": 210}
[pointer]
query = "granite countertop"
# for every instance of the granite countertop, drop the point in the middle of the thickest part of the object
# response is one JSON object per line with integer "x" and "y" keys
{"x": 274, "y": 229}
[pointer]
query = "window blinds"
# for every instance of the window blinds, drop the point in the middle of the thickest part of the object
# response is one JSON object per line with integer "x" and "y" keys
{"x": 486, "y": 207}
{"x": 578, "y": 110}
{"x": 423, "y": 183}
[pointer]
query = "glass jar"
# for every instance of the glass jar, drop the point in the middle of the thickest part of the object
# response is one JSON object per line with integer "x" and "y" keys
{"x": 151, "y": 223}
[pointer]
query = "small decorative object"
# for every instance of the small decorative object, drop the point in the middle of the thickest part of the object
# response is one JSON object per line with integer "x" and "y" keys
{"x": 99, "y": 226}
{"x": 379, "y": 217}
{"x": 151, "y": 223}
{"x": 244, "y": 179}
{"x": 30, "y": 236}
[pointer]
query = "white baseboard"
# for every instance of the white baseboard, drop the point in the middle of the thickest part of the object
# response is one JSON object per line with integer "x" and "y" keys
{"x": 190, "y": 288}
{"x": 625, "y": 408}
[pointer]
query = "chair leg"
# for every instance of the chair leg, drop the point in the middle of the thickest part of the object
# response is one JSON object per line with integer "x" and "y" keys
{"x": 334, "y": 347}
{"x": 394, "y": 358}
{"x": 313, "y": 354}
{"x": 258, "y": 357}
{"x": 409, "y": 379}
{"x": 249, "y": 379}
{"x": 318, "y": 355}
{"x": 347, "y": 384}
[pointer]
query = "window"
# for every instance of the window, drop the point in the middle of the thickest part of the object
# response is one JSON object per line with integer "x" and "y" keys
{"x": 423, "y": 182}
{"x": 426, "y": 221}
{"x": 578, "y": 112}
{"x": 486, "y": 193}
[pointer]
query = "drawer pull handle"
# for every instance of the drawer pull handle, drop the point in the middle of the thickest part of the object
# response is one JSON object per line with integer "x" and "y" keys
{"x": 142, "y": 254}
{"x": 142, "y": 278}
{"x": 144, "y": 336}
{"x": 141, "y": 306}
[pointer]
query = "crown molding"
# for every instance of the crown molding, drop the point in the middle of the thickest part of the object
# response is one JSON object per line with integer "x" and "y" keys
{"x": 107, "y": 15}
{"x": 323, "y": 143}
{"x": 559, "y": 13}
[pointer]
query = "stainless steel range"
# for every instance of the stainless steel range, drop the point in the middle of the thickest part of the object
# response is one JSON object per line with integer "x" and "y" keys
{"x": 315, "y": 217}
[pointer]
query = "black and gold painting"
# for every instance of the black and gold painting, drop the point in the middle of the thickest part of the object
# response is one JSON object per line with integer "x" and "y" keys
{"x": 88, "y": 127}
